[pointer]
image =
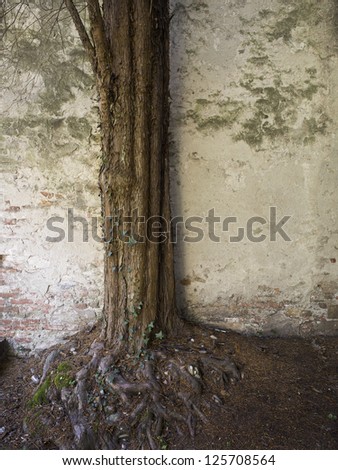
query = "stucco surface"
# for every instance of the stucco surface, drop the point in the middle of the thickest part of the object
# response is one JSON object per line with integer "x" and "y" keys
{"x": 254, "y": 107}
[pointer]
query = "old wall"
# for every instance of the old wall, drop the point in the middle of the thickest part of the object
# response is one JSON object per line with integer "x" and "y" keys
{"x": 253, "y": 134}
{"x": 49, "y": 163}
{"x": 254, "y": 126}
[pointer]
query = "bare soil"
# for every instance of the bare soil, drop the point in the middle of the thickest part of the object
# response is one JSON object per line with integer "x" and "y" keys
{"x": 286, "y": 398}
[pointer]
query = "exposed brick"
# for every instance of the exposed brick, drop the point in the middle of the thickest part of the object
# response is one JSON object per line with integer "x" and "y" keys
{"x": 7, "y": 295}
{"x": 11, "y": 324}
{"x": 11, "y": 269}
{"x": 21, "y": 340}
{"x": 8, "y": 309}
{"x": 81, "y": 306}
{"x": 47, "y": 194}
{"x": 22, "y": 302}
{"x": 10, "y": 221}
{"x": 30, "y": 325}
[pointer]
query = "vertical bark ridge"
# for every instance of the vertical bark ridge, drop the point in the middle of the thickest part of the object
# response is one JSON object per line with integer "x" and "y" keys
{"x": 139, "y": 278}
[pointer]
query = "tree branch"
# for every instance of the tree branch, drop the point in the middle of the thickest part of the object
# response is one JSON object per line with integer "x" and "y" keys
{"x": 99, "y": 37}
{"x": 89, "y": 48}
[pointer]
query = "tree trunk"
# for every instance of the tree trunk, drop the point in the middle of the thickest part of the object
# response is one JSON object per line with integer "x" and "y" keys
{"x": 129, "y": 50}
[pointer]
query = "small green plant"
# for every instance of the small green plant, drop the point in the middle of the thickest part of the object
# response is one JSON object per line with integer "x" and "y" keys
{"x": 132, "y": 241}
{"x": 332, "y": 416}
{"x": 163, "y": 444}
{"x": 159, "y": 335}
{"x": 146, "y": 334}
{"x": 136, "y": 310}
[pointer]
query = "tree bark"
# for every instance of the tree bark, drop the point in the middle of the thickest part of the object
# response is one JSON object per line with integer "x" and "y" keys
{"x": 131, "y": 62}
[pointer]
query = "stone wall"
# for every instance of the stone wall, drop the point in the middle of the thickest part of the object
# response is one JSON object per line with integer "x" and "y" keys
{"x": 253, "y": 134}
{"x": 49, "y": 161}
{"x": 254, "y": 126}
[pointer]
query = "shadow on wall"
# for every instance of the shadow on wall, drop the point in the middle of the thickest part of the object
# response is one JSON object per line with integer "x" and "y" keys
{"x": 336, "y": 21}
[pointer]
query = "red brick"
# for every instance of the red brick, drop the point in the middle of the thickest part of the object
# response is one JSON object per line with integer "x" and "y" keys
{"x": 21, "y": 302}
{"x": 8, "y": 269}
{"x": 29, "y": 326}
{"x": 31, "y": 321}
{"x": 9, "y": 221}
{"x": 47, "y": 194}
{"x": 81, "y": 306}
{"x": 7, "y": 295}
{"x": 9, "y": 309}
{"x": 10, "y": 324}
{"x": 22, "y": 340}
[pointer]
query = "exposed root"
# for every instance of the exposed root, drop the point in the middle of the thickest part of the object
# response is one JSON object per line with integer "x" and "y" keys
{"x": 226, "y": 367}
{"x": 157, "y": 395}
{"x": 76, "y": 402}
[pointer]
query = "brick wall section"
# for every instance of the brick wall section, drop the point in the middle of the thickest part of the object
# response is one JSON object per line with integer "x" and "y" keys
{"x": 49, "y": 160}
{"x": 34, "y": 319}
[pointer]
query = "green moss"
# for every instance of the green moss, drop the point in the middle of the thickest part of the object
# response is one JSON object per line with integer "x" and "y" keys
{"x": 191, "y": 51}
{"x": 315, "y": 126}
{"x": 78, "y": 128}
{"x": 279, "y": 24}
{"x": 42, "y": 56}
{"x": 272, "y": 111}
{"x": 265, "y": 13}
{"x": 213, "y": 122}
{"x": 275, "y": 108}
{"x": 199, "y": 6}
{"x": 303, "y": 11}
{"x": 259, "y": 60}
{"x": 213, "y": 115}
{"x": 63, "y": 367}
{"x": 40, "y": 396}
{"x": 60, "y": 81}
{"x": 312, "y": 72}
{"x": 253, "y": 131}
{"x": 63, "y": 377}
{"x": 310, "y": 90}
{"x": 20, "y": 126}
{"x": 203, "y": 102}
{"x": 283, "y": 28}
{"x": 273, "y": 98}
{"x": 33, "y": 421}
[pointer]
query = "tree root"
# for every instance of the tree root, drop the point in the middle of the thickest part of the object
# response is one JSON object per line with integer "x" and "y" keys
{"x": 159, "y": 394}
{"x": 76, "y": 401}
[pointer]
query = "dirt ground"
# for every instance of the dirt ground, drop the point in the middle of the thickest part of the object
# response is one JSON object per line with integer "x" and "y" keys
{"x": 286, "y": 398}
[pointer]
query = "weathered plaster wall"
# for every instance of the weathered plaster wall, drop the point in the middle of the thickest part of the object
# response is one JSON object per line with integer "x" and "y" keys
{"x": 254, "y": 92}
{"x": 254, "y": 125}
{"x": 49, "y": 162}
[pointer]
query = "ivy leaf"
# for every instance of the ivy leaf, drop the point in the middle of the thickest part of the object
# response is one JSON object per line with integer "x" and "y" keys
{"x": 159, "y": 335}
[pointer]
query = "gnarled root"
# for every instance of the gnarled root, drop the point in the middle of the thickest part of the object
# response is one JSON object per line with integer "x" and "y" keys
{"x": 155, "y": 395}
{"x": 168, "y": 393}
{"x": 76, "y": 401}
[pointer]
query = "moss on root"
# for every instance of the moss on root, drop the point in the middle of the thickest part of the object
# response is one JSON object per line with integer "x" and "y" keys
{"x": 40, "y": 396}
{"x": 63, "y": 377}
